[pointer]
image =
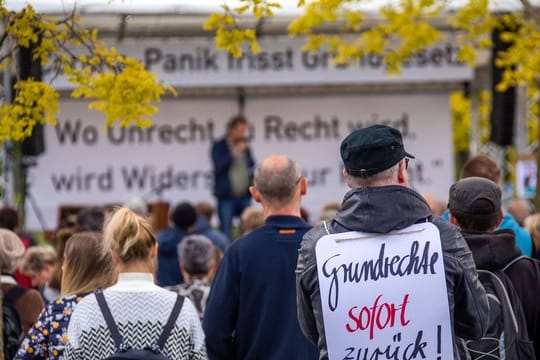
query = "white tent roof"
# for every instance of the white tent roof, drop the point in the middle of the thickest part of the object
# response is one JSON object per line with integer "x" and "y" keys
{"x": 200, "y": 6}
{"x": 133, "y": 6}
{"x": 184, "y": 18}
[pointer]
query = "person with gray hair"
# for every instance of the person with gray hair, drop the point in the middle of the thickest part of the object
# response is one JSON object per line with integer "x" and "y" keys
{"x": 39, "y": 264}
{"x": 254, "y": 293}
{"x": 197, "y": 257}
{"x": 380, "y": 202}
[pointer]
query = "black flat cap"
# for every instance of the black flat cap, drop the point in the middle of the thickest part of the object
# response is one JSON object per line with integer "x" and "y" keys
{"x": 464, "y": 194}
{"x": 368, "y": 151}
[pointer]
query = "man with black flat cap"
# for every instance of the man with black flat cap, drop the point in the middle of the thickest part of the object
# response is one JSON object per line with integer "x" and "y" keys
{"x": 380, "y": 201}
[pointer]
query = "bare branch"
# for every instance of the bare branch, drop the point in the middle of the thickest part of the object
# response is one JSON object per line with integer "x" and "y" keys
{"x": 531, "y": 11}
{"x": 3, "y": 38}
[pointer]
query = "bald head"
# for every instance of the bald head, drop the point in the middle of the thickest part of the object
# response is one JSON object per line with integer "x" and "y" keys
{"x": 276, "y": 179}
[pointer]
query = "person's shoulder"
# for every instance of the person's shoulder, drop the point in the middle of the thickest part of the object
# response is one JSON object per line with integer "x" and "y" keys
{"x": 509, "y": 222}
{"x": 168, "y": 232}
{"x": 216, "y": 235}
{"x": 319, "y": 230}
{"x": 251, "y": 239}
{"x": 83, "y": 303}
{"x": 451, "y": 237}
{"x": 32, "y": 296}
{"x": 219, "y": 143}
{"x": 219, "y": 239}
{"x": 311, "y": 237}
{"x": 188, "y": 316}
{"x": 174, "y": 288}
{"x": 526, "y": 264}
{"x": 65, "y": 302}
{"x": 168, "y": 239}
{"x": 442, "y": 224}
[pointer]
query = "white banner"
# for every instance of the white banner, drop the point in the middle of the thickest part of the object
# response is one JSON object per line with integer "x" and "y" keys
{"x": 385, "y": 295}
{"x": 84, "y": 164}
{"x": 194, "y": 62}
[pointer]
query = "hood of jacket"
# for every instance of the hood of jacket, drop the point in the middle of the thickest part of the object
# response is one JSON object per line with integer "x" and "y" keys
{"x": 492, "y": 251}
{"x": 382, "y": 209}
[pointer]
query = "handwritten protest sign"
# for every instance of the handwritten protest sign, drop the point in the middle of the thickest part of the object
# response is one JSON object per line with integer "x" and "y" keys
{"x": 384, "y": 295}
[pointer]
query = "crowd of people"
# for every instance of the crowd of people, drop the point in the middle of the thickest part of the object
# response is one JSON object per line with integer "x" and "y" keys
{"x": 111, "y": 286}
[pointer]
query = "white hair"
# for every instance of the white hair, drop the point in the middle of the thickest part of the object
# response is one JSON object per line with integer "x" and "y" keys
{"x": 385, "y": 177}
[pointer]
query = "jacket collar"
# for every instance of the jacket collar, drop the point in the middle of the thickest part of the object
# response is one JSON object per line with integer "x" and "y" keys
{"x": 382, "y": 209}
{"x": 138, "y": 282}
{"x": 285, "y": 221}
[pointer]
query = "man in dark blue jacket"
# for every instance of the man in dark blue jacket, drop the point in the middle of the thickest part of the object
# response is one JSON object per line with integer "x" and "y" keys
{"x": 233, "y": 166}
{"x": 182, "y": 217}
{"x": 251, "y": 312}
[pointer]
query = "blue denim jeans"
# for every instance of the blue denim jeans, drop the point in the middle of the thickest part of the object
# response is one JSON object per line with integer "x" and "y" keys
{"x": 228, "y": 208}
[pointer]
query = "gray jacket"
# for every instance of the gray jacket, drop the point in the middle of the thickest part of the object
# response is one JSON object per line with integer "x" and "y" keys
{"x": 381, "y": 210}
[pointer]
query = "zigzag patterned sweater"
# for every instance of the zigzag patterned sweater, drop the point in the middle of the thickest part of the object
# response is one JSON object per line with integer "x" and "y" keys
{"x": 140, "y": 310}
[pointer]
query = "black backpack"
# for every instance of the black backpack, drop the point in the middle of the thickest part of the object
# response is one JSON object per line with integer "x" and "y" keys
{"x": 506, "y": 336}
{"x": 13, "y": 330}
{"x": 123, "y": 350}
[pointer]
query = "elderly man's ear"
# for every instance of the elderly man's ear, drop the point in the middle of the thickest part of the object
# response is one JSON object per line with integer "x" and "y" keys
{"x": 257, "y": 196}
{"x": 255, "y": 193}
{"x": 303, "y": 186}
{"x": 403, "y": 175}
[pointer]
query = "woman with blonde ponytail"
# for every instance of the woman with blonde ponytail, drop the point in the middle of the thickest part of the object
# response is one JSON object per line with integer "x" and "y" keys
{"x": 132, "y": 314}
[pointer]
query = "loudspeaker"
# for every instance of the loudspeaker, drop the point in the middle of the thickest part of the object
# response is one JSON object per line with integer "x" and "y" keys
{"x": 503, "y": 104}
{"x": 35, "y": 144}
{"x": 28, "y": 67}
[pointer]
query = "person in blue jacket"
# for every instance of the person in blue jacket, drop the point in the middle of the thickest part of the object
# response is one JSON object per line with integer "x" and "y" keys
{"x": 203, "y": 227}
{"x": 182, "y": 219}
{"x": 485, "y": 167}
{"x": 251, "y": 311}
{"x": 233, "y": 168}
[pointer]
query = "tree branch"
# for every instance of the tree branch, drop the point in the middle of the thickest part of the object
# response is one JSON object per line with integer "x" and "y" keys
{"x": 531, "y": 11}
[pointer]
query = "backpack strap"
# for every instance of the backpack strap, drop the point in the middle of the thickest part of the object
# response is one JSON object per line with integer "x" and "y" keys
{"x": 502, "y": 289}
{"x": 106, "y": 311}
{"x": 171, "y": 322}
{"x": 13, "y": 294}
{"x": 514, "y": 261}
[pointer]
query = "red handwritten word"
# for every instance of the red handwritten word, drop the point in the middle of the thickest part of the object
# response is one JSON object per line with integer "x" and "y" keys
{"x": 377, "y": 316}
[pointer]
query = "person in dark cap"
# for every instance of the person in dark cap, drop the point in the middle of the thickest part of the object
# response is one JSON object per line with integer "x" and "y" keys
{"x": 485, "y": 167}
{"x": 182, "y": 218}
{"x": 380, "y": 201}
{"x": 475, "y": 207}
